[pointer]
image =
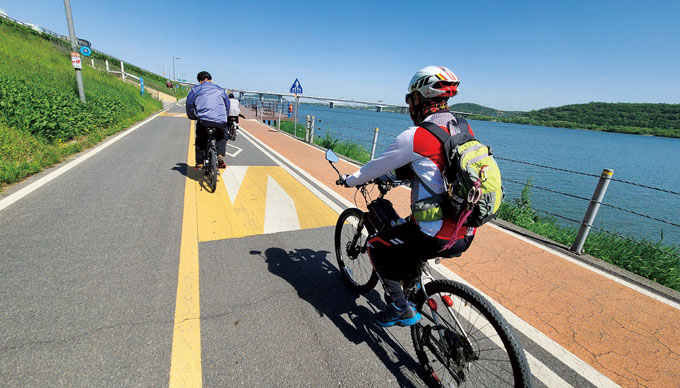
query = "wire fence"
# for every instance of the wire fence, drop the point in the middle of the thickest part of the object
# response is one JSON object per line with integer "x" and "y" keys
{"x": 364, "y": 136}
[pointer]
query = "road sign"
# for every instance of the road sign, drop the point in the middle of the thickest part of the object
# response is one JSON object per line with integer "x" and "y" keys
{"x": 75, "y": 60}
{"x": 86, "y": 51}
{"x": 296, "y": 88}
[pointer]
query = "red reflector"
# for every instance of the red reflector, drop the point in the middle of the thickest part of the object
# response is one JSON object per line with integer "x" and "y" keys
{"x": 447, "y": 299}
{"x": 432, "y": 304}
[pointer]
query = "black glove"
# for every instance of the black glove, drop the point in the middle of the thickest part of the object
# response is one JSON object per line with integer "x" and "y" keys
{"x": 342, "y": 181}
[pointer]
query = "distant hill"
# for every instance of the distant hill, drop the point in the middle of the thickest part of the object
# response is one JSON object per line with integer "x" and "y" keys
{"x": 634, "y": 118}
{"x": 469, "y": 107}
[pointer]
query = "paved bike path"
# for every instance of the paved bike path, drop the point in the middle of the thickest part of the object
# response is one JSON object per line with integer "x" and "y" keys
{"x": 624, "y": 333}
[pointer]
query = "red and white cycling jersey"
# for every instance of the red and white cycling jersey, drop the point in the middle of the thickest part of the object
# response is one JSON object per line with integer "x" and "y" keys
{"x": 423, "y": 151}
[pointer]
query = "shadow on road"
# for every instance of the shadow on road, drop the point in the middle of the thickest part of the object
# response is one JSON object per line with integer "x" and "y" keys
{"x": 191, "y": 173}
{"x": 319, "y": 282}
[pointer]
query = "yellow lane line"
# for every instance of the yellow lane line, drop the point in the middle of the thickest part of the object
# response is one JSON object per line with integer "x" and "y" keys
{"x": 173, "y": 114}
{"x": 185, "y": 363}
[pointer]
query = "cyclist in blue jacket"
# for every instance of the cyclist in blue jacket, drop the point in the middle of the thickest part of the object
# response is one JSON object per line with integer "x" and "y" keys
{"x": 208, "y": 104}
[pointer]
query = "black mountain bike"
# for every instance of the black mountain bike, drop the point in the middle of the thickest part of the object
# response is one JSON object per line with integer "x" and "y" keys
{"x": 210, "y": 164}
{"x": 232, "y": 126}
{"x": 461, "y": 340}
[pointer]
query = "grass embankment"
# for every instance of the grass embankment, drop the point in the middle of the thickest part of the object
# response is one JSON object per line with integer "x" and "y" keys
{"x": 653, "y": 261}
{"x": 346, "y": 148}
{"x": 42, "y": 120}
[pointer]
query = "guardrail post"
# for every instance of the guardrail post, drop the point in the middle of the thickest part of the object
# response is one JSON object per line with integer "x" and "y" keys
{"x": 122, "y": 71}
{"x": 307, "y": 129}
{"x": 92, "y": 59}
{"x": 311, "y": 138}
{"x": 278, "y": 123}
{"x": 589, "y": 218}
{"x": 262, "y": 111}
{"x": 375, "y": 142}
{"x": 107, "y": 66}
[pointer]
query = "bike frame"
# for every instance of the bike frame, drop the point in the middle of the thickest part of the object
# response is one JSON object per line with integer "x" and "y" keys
{"x": 424, "y": 271}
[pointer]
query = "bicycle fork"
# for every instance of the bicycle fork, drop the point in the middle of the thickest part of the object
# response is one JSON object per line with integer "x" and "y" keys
{"x": 435, "y": 316}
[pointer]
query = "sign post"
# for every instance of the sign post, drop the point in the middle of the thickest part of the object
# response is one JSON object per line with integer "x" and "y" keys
{"x": 72, "y": 36}
{"x": 296, "y": 89}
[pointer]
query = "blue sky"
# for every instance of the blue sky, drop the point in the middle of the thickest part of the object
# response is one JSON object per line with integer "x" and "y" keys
{"x": 512, "y": 55}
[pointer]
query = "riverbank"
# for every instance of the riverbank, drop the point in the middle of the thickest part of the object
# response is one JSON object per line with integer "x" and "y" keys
{"x": 652, "y": 260}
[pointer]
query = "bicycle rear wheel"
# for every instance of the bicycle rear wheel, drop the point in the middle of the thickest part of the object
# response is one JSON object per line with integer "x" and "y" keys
{"x": 350, "y": 250}
{"x": 212, "y": 171}
{"x": 470, "y": 345}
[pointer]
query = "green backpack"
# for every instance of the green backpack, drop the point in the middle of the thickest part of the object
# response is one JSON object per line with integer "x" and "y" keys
{"x": 471, "y": 177}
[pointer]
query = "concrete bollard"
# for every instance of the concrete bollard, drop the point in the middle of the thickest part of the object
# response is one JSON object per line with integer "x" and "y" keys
{"x": 594, "y": 206}
{"x": 375, "y": 142}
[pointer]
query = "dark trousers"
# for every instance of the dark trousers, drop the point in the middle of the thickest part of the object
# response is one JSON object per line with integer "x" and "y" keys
{"x": 202, "y": 139}
{"x": 398, "y": 251}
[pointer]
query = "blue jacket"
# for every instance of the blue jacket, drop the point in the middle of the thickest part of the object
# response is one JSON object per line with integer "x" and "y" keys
{"x": 207, "y": 101}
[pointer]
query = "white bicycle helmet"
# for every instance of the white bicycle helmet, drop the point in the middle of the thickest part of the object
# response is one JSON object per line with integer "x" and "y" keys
{"x": 433, "y": 82}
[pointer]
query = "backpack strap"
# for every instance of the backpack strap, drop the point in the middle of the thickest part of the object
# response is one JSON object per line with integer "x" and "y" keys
{"x": 461, "y": 137}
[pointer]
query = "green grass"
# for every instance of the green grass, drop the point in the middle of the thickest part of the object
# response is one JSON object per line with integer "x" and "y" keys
{"x": 651, "y": 260}
{"x": 345, "y": 148}
{"x": 42, "y": 119}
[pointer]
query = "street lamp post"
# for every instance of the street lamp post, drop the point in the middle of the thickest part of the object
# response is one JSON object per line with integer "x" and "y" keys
{"x": 174, "y": 78}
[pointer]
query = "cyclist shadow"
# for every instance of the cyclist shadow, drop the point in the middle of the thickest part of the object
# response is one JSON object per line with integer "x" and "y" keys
{"x": 191, "y": 173}
{"x": 319, "y": 282}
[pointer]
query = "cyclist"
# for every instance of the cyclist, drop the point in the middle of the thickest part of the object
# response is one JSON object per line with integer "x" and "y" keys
{"x": 208, "y": 104}
{"x": 234, "y": 113}
{"x": 417, "y": 155}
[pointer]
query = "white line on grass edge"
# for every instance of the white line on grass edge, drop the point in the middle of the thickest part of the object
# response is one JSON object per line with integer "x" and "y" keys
{"x": 10, "y": 199}
{"x": 538, "y": 369}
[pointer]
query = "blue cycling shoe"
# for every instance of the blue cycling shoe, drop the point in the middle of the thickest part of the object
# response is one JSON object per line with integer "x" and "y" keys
{"x": 393, "y": 315}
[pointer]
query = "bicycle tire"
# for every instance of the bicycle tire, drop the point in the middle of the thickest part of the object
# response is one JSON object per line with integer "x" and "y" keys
{"x": 356, "y": 267}
{"x": 489, "y": 349}
{"x": 212, "y": 176}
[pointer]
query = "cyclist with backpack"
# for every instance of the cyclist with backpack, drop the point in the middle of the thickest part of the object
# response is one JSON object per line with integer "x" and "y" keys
{"x": 208, "y": 103}
{"x": 433, "y": 229}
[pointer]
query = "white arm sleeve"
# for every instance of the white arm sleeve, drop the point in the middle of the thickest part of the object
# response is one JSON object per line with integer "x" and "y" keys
{"x": 397, "y": 154}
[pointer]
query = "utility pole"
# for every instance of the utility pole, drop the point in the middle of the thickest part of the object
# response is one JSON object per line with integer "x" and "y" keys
{"x": 74, "y": 48}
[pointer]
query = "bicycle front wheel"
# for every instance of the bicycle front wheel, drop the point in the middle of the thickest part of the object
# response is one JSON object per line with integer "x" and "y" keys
{"x": 463, "y": 341}
{"x": 350, "y": 250}
{"x": 212, "y": 171}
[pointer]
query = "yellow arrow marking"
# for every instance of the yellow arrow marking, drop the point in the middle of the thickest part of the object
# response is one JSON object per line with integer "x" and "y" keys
{"x": 218, "y": 219}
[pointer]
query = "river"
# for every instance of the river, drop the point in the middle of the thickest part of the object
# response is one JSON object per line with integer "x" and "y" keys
{"x": 644, "y": 160}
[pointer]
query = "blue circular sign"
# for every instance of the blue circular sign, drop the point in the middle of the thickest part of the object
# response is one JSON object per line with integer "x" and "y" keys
{"x": 86, "y": 51}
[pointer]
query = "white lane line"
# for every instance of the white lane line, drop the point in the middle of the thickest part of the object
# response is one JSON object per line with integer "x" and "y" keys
{"x": 538, "y": 369}
{"x": 280, "y": 214}
{"x": 10, "y": 199}
{"x": 598, "y": 271}
{"x": 233, "y": 154}
{"x": 542, "y": 340}
{"x": 544, "y": 374}
{"x": 232, "y": 177}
